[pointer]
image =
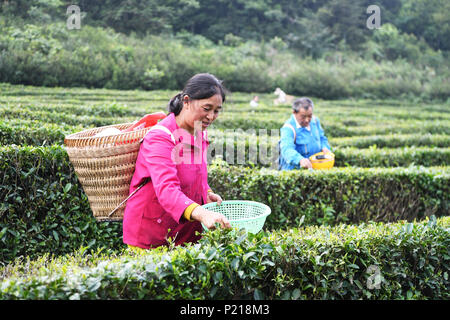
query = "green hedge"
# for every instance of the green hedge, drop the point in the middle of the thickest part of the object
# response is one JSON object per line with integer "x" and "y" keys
{"x": 45, "y": 209}
{"x": 386, "y": 157}
{"x": 370, "y": 261}
{"x": 338, "y": 129}
{"x": 61, "y": 118}
{"x": 77, "y": 108}
{"x": 263, "y": 152}
{"x": 339, "y": 195}
{"x": 393, "y": 141}
{"x": 334, "y": 129}
{"x": 33, "y": 132}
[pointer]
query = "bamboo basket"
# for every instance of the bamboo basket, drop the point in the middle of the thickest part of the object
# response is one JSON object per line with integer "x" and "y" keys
{"x": 105, "y": 167}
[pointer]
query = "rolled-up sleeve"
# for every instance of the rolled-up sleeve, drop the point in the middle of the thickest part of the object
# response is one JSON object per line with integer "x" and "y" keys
{"x": 157, "y": 148}
{"x": 287, "y": 147}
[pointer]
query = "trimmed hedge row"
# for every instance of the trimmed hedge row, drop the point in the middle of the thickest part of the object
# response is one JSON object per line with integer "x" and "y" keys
{"x": 376, "y": 128}
{"x": 31, "y": 132}
{"x": 373, "y": 261}
{"x": 393, "y": 141}
{"x": 62, "y": 118}
{"x": 107, "y": 109}
{"x": 265, "y": 154}
{"x": 350, "y": 195}
{"x": 343, "y": 126}
{"x": 399, "y": 157}
{"x": 45, "y": 209}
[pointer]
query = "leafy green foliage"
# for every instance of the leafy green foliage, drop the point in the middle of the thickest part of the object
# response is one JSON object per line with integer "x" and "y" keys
{"x": 311, "y": 27}
{"x": 370, "y": 261}
{"x": 51, "y": 246}
{"x": 51, "y": 55}
{"x": 44, "y": 208}
{"x": 349, "y": 195}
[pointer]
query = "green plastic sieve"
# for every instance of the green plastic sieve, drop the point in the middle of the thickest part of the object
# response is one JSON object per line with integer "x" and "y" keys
{"x": 242, "y": 214}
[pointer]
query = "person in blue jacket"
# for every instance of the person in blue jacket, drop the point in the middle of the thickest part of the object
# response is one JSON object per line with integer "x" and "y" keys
{"x": 301, "y": 137}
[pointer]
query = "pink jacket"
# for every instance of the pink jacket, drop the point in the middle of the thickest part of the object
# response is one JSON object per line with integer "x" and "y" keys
{"x": 176, "y": 164}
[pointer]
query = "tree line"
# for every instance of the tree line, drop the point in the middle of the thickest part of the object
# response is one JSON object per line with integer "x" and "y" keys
{"x": 311, "y": 26}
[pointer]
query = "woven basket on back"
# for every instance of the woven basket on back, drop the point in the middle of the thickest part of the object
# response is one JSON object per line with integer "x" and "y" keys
{"x": 105, "y": 166}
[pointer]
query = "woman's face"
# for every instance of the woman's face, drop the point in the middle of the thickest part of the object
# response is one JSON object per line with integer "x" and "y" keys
{"x": 201, "y": 112}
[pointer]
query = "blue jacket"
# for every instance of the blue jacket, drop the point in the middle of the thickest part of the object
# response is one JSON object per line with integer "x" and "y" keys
{"x": 306, "y": 144}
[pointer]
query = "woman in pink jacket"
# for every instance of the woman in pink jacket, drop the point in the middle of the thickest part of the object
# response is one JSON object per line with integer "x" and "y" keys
{"x": 172, "y": 158}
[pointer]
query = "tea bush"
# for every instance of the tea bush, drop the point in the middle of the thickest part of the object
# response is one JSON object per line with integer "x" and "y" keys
{"x": 247, "y": 152}
{"x": 369, "y": 261}
{"x": 35, "y": 132}
{"x": 348, "y": 195}
{"x": 388, "y": 157}
{"x": 44, "y": 208}
{"x": 60, "y": 117}
{"x": 393, "y": 141}
{"x": 45, "y": 213}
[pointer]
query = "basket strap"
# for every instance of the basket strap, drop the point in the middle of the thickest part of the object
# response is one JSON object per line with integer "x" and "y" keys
{"x": 162, "y": 128}
{"x": 293, "y": 130}
{"x": 129, "y": 196}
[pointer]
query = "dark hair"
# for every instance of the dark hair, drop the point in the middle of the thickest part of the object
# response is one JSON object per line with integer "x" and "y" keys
{"x": 200, "y": 86}
{"x": 303, "y": 102}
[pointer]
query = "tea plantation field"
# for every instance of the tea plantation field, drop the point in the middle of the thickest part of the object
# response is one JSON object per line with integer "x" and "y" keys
{"x": 374, "y": 227}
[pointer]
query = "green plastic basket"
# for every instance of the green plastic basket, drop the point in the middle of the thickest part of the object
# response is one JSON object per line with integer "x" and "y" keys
{"x": 249, "y": 215}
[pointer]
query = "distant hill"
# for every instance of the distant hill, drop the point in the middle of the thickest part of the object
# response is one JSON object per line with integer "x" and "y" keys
{"x": 312, "y": 26}
{"x": 317, "y": 48}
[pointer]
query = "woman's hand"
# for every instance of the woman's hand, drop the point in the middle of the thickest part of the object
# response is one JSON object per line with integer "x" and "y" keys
{"x": 212, "y": 197}
{"x": 210, "y": 218}
{"x": 325, "y": 150}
